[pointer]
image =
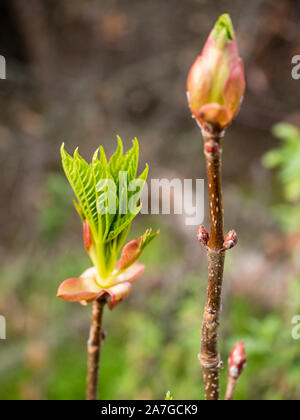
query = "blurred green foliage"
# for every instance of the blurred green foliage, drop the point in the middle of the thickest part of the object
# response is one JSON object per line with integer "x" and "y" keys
{"x": 287, "y": 159}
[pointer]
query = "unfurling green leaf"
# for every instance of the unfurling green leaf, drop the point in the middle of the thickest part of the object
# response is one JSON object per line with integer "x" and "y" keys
{"x": 108, "y": 198}
{"x": 147, "y": 238}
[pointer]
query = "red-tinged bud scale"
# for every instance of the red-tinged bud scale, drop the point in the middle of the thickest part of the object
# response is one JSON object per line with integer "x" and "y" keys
{"x": 203, "y": 235}
{"x": 231, "y": 239}
{"x": 212, "y": 147}
{"x": 87, "y": 235}
{"x": 130, "y": 254}
{"x": 237, "y": 360}
{"x": 216, "y": 81}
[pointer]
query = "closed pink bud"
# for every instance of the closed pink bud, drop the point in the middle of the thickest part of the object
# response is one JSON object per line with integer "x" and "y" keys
{"x": 203, "y": 235}
{"x": 237, "y": 360}
{"x": 216, "y": 81}
{"x": 87, "y": 235}
{"x": 231, "y": 239}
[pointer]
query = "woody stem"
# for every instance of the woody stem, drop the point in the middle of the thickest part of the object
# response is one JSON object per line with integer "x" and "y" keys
{"x": 94, "y": 349}
{"x": 209, "y": 355}
{"x": 231, "y": 386}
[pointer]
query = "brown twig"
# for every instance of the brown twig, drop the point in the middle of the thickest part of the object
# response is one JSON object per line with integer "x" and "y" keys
{"x": 94, "y": 349}
{"x": 209, "y": 355}
{"x": 231, "y": 386}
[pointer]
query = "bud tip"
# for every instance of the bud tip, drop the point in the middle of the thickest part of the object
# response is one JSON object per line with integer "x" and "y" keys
{"x": 224, "y": 29}
{"x": 203, "y": 235}
{"x": 237, "y": 360}
{"x": 231, "y": 239}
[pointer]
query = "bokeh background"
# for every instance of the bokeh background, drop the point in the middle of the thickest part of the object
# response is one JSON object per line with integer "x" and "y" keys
{"x": 82, "y": 71}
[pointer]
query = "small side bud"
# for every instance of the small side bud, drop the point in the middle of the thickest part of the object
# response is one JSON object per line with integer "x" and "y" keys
{"x": 237, "y": 360}
{"x": 230, "y": 240}
{"x": 87, "y": 235}
{"x": 203, "y": 235}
